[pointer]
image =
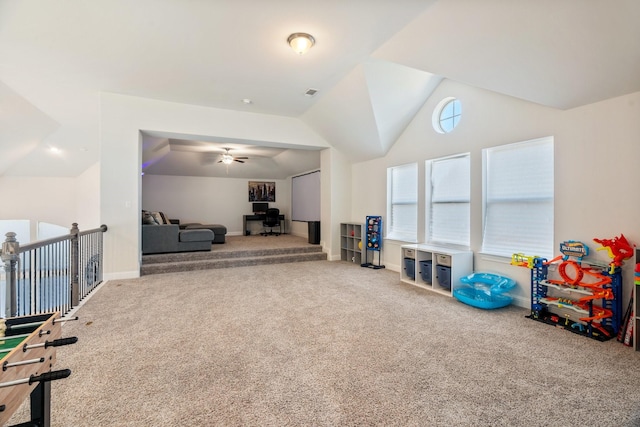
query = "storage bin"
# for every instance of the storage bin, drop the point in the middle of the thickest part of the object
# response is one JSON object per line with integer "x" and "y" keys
{"x": 425, "y": 271}
{"x": 444, "y": 276}
{"x": 410, "y": 267}
{"x": 443, "y": 260}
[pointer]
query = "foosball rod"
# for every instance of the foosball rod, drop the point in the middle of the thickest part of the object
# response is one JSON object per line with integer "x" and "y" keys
{"x": 32, "y": 324}
{"x": 6, "y": 365}
{"x": 55, "y": 343}
{"x": 47, "y": 376}
{"x": 46, "y": 344}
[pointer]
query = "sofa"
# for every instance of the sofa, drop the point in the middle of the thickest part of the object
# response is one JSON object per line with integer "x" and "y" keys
{"x": 168, "y": 238}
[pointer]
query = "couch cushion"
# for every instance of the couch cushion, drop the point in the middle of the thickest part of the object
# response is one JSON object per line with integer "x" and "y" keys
{"x": 216, "y": 228}
{"x": 196, "y": 235}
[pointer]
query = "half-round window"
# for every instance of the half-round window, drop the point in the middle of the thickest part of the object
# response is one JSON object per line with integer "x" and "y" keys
{"x": 447, "y": 114}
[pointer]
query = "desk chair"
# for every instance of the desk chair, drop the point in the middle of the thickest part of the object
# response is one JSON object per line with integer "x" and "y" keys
{"x": 271, "y": 220}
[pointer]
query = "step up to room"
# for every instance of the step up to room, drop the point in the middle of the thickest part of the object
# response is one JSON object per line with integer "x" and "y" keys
{"x": 187, "y": 261}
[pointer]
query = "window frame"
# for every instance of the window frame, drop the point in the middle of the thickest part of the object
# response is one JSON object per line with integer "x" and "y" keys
{"x": 436, "y": 118}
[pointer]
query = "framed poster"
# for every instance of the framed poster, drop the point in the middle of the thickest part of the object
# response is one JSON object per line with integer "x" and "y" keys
{"x": 262, "y": 191}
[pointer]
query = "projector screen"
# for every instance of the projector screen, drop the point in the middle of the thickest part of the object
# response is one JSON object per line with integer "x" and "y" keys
{"x": 305, "y": 197}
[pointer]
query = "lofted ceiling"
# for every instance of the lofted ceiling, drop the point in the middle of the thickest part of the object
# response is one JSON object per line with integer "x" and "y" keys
{"x": 374, "y": 65}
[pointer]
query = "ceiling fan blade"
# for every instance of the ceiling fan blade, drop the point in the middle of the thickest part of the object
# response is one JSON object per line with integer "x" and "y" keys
{"x": 239, "y": 161}
{"x": 243, "y": 158}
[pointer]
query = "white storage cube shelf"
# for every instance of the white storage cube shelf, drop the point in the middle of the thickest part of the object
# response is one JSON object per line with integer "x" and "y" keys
{"x": 436, "y": 268}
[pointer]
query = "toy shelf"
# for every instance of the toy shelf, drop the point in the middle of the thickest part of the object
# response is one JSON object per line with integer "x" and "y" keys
{"x": 636, "y": 307}
{"x": 435, "y": 268}
{"x": 351, "y": 242}
{"x": 580, "y": 308}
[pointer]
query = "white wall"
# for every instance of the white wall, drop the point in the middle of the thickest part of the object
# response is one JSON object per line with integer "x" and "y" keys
{"x": 59, "y": 201}
{"x": 88, "y": 198}
{"x": 596, "y": 159}
{"x": 336, "y": 200}
{"x": 51, "y": 200}
{"x": 210, "y": 200}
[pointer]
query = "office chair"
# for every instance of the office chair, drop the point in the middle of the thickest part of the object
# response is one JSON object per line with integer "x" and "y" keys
{"x": 271, "y": 219}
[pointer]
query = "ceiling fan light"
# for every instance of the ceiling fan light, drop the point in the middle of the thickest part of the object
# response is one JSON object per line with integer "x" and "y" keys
{"x": 301, "y": 42}
{"x": 227, "y": 159}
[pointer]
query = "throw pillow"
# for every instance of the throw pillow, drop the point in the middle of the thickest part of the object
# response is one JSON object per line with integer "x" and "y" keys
{"x": 148, "y": 219}
{"x": 165, "y": 220}
{"x": 157, "y": 217}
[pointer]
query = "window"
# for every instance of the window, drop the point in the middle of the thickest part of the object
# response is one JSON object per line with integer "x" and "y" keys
{"x": 448, "y": 200}
{"x": 402, "y": 202}
{"x": 446, "y": 115}
{"x": 518, "y": 199}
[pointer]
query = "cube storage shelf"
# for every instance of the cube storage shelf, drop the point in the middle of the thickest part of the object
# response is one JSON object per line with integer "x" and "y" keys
{"x": 435, "y": 268}
{"x": 351, "y": 242}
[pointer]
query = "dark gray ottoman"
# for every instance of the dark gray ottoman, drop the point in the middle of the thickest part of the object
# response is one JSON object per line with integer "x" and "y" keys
{"x": 219, "y": 231}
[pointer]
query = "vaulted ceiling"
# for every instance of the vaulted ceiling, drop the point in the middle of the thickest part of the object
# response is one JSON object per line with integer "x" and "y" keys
{"x": 374, "y": 64}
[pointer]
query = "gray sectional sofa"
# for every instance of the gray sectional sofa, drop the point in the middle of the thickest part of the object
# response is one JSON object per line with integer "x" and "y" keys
{"x": 167, "y": 238}
{"x": 163, "y": 235}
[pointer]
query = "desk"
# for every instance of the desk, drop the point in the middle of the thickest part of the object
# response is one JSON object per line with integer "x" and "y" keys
{"x": 261, "y": 217}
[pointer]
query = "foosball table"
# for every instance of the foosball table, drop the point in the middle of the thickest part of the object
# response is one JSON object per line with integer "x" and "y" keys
{"x": 27, "y": 355}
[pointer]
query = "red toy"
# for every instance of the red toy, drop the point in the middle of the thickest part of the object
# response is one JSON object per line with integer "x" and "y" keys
{"x": 619, "y": 249}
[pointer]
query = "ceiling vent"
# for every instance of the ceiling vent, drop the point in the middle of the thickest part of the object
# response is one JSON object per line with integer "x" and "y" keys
{"x": 311, "y": 92}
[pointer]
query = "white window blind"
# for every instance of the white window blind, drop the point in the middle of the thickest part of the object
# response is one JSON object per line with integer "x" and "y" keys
{"x": 449, "y": 197}
{"x": 518, "y": 199}
{"x": 402, "y": 202}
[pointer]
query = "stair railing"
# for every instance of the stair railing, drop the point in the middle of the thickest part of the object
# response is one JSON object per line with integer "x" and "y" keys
{"x": 50, "y": 275}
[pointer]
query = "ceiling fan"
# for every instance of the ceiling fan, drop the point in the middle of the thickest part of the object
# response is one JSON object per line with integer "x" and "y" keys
{"x": 227, "y": 158}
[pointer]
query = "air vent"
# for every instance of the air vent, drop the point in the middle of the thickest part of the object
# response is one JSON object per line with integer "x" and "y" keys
{"x": 311, "y": 92}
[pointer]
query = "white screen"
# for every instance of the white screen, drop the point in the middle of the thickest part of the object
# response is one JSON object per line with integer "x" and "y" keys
{"x": 305, "y": 197}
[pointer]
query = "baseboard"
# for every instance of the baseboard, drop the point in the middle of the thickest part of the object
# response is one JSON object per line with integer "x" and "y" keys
{"x": 121, "y": 275}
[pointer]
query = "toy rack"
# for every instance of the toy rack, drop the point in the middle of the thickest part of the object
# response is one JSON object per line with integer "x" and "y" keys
{"x": 541, "y": 304}
{"x": 373, "y": 241}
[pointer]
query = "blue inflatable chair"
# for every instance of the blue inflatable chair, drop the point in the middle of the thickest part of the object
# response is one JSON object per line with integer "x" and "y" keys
{"x": 485, "y": 290}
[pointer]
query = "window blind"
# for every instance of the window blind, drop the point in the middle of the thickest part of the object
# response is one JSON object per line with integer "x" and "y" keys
{"x": 448, "y": 210}
{"x": 518, "y": 199}
{"x": 402, "y": 202}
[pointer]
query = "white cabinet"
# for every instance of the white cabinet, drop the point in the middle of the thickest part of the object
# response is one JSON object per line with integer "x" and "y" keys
{"x": 435, "y": 268}
{"x": 351, "y": 242}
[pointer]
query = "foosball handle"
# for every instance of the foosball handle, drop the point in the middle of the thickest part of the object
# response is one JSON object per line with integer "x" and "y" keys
{"x": 50, "y": 376}
{"x": 61, "y": 342}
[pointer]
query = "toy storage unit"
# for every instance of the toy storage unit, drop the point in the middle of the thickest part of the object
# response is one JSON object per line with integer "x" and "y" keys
{"x": 636, "y": 306}
{"x": 351, "y": 242}
{"x": 435, "y": 268}
{"x": 557, "y": 304}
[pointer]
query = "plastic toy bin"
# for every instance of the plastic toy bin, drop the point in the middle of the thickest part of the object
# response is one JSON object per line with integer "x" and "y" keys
{"x": 425, "y": 271}
{"x": 410, "y": 267}
{"x": 444, "y": 276}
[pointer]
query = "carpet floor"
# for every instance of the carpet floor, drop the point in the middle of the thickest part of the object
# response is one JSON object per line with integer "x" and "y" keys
{"x": 326, "y": 344}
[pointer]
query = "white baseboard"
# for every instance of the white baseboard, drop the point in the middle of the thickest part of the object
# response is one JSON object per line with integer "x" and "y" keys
{"x": 121, "y": 275}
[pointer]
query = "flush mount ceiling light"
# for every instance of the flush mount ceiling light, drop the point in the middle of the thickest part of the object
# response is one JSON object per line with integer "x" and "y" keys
{"x": 301, "y": 42}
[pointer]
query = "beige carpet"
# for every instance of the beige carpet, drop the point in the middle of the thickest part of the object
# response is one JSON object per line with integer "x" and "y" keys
{"x": 327, "y": 344}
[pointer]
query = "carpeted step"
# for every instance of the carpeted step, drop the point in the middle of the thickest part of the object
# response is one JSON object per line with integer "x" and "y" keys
{"x": 213, "y": 263}
{"x": 222, "y": 254}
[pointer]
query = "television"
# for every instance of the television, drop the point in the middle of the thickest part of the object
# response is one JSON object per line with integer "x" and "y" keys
{"x": 260, "y": 207}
